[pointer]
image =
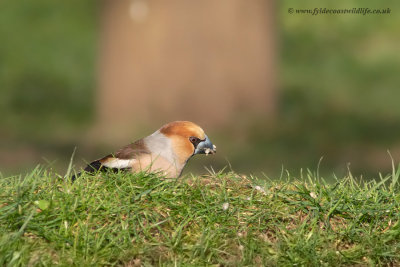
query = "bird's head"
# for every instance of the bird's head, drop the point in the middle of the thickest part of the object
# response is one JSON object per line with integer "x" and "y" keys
{"x": 188, "y": 138}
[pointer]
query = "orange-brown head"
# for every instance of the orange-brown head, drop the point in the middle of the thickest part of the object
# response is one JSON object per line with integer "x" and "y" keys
{"x": 182, "y": 128}
{"x": 187, "y": 139}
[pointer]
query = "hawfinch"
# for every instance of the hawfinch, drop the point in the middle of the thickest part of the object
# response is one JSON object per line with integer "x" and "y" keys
{"x": 167, "y": 150}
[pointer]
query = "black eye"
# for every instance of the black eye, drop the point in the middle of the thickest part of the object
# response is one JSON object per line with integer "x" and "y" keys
{"x": 194, "y": 140}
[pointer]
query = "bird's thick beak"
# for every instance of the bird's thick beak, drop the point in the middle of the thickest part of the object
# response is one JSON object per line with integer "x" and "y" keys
{"x": 205, "y": 147}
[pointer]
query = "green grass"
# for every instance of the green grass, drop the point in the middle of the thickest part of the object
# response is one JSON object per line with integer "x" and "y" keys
{"x": 132, "y": 219}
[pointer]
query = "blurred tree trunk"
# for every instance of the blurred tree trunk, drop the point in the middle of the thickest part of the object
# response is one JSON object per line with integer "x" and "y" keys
{"x": 212, "y": 62}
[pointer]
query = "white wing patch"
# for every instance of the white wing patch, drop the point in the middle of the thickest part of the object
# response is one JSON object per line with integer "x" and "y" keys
{"x": 119, "y": 163}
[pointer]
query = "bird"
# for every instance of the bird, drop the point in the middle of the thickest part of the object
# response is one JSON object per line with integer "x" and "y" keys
{"x": 166, "y": 151}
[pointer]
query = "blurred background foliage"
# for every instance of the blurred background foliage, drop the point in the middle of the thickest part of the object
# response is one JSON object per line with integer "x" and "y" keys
{"x": 47, "y": 78}
{"x": 47, "y": 56}
{"x": 338, "y": 90}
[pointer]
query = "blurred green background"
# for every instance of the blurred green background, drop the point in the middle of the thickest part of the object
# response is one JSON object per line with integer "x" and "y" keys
{"x": 337, "y": 97}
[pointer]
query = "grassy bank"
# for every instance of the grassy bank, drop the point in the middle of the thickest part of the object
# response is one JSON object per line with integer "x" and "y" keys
{"x": 221, "y": 218}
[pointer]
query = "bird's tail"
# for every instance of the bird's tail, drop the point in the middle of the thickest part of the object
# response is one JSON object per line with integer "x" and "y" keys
{"x": 90, "y": 168}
